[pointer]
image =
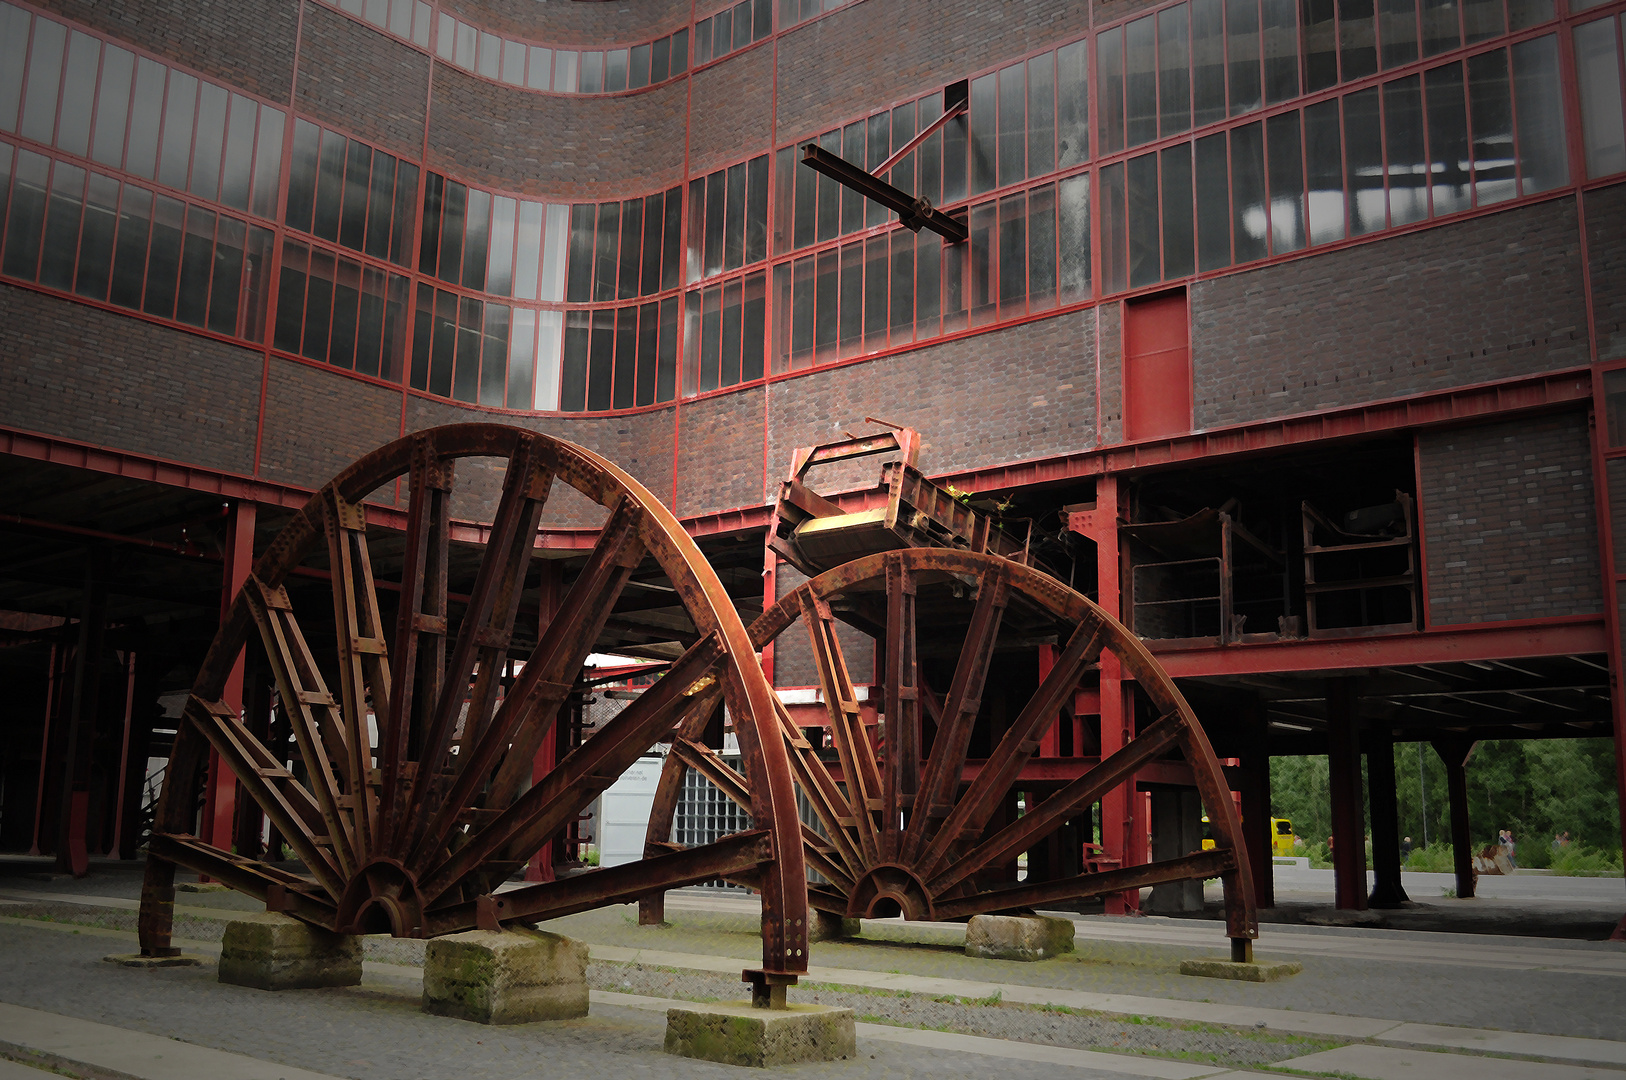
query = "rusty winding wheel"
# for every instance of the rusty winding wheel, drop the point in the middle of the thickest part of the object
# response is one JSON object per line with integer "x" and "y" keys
{"x": 405, "y": 825}
{"x": 910, "y": 822}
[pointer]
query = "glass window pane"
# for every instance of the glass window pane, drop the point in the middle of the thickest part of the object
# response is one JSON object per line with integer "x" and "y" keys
{"x": 1145, "y": 245}
{"x": 95, "y": 236}
{"x": 902, "y": 300}
{"x": 825, "y": 305}
{"x": 1041, "y": 248}
{"x": 716, "y": 220}
{"x": 453, "y": 205}
{"x": 1114, "y": 225}
{"x": 1249, "y": 222}
{"x": 1403, "y": 144}
{"x": 1109, "y": 89}
{"x": 1174, "y": 71}
{"x": 631, "y": 258}
{"x": 522, "y": 381}
{"x": 1538, "y": 101}
{"x": 500, "y": 261}
{"x": 756, "y": 209}
{"x": 753, "y": 327}
{"x": 1440, "y": 30}
{"x": 711, "y": 332}
{"x": 1449, "y": 165}
{"x": 983, "y": 132}
{"x": 494, "y": 357}
{"x": 164, "y": 257}
{"x": 528, "y": 255}
{"x": 179, "y": 108}
{"x": 654, "y": 216}
{"x": 1073, "y": 237}
{"x": 209, "y": 142}
{"x": 1013, "y": 135}
{"x": 1363, "y": 162}
{"x": 1041, "y": 116}
{"x": 291, "y": 296}
{"x": 615, "y": 70}
{"x": 62, "y": 218}
{"x": 875, "y": 293}
{"x": 1358, "y": 28}
{"x": 13, "y": 63}
{"x": 800, "y": 316}
{"x": 476, "y": 239}
{"x": 556, "y": 252}
{"x": 1397, "y": 25}
{"x": 928, "y": 284}
{"x": 1320, "y": 44}
{"x": 513, "y": 67}
{"x": 302, "y": 176}
{"x": 1207, "y": 61}
{"x": 146, "y": 110}
{"x": 850, "y": 319}
{"x": 330, "y": 186}
{"x": 1286, "y": 163}
{"x": 197, "y": 267}
{"x": 380, "y": 203}
{"x": 44, "y": 78}
{"x": 1179, "y": 252}
{"x": 1597, "y": 71}
{"x": 1482, "y": 19}
{"x": 666, "y": 372}
{"x": 1324, "y": 160}
{"x": 539, "y": 71}
{"x": 660, "y": 60}
{"x": 130, "y": 252}
{"x": 1490, "y": 103}
{"x": 604, "y": 255}
{"x": 268, "y": 162}
{"x": 226, "y": 288}
{"x": 238, "y": 172}
{"x": 742, "y": 24}
{"x": 467, "y": 47}
{"x": 1281, "y": 37}
{"x": 729, "y": 354}
{"x": 112, "y": 104}
{"x": 1072, "y": 105}
{"x": 1140, "y": 81}
{"x": 680, "y": 51}
{"x": 318, "y": 307}
{"x": 983, "y": 269}
{"x": 573, "y": 363}
{"x": 78, "y": 92}
{"x": 357, "y": 184}
{"x": 1523, "y": 13}
{"x": 671, "y": 265}
{"x": 1013, "y": 255}
{"x": 470, "y": 339}
{"x": 734, "y": 219}
{"x": 1242, "y": 56}
{"x": 592, "y": 79}
{"x": 341, "y": 350}
{"x": 638, "y": 76}
{"x": 648, "y": 343}
{"x": 1213, "y": 203}
{"x": 564, "y": 81}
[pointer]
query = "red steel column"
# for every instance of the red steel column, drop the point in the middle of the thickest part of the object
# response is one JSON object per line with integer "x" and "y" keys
{"x": 220, "y": 789}
{"x": 1344, "y": 776}
{"x": 1256, "y": 827}
{"x": 72, "y": 818}
{"x": 1455, "y": 755}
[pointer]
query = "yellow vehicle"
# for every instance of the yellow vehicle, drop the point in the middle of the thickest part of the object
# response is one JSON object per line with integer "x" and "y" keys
{"x": 1281, "y": 836}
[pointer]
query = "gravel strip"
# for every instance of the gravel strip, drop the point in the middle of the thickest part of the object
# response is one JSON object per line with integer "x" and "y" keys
{"x": 1053, "y": 1025}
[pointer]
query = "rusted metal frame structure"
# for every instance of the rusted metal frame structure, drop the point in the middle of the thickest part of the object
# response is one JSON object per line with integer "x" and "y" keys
{"x": 898, "y": 834}
{"x": 414, "y": 844}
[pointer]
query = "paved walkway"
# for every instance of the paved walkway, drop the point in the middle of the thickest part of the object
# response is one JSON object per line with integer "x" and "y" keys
{"x": 59, "y": 1000}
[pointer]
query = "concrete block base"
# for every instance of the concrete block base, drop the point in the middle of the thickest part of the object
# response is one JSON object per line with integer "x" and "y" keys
{"x": 511, "y": 977}
{"x": 828, "y": 927}
{"x": 1018, "y": 937}
{"x": 1230, "y": 969}
{"x": 136, "y": 960}
{"x": 274, "y": 952}
{"x": 734, "y": 1033}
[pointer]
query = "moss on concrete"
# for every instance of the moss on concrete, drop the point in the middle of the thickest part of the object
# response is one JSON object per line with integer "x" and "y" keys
{"x": 1231, "y": 969}
{"x": 734, "y": 1033}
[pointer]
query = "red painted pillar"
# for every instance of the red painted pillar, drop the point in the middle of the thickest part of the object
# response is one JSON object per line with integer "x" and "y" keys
{"x": 220, "y": 788}
{"x": 1348, "y": 803}
{"x": 73, "y": 815}
{"x": 1255, "y": 803}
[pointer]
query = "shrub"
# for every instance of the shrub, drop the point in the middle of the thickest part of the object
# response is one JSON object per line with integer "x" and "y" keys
{"x": 1578, "y": 860}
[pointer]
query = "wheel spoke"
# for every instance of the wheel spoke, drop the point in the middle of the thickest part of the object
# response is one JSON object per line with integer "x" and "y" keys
{"x": 588, "y": 769}
{"x": 420, "y": 633}
{"x": 527, "y": 714}
{"x": 1043, "y": 819}
{"x": 270, "y": 785}
{"x": 974, "y": 809}
{"x": 484, "y": 633}
{"x": 363, "y": 660}
{"x": 901, "y": 704}
{"x": 960, "y": 709}
{"x": 822, "y": 792}
{"x": 853, "y": 746}
{"x": 1198, "y": 865}
{"x": 313, "y": 714}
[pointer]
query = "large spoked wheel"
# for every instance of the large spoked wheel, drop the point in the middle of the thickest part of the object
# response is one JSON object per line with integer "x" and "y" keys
{"x": 910, "y": 822}
{"x": 412, "y": 796}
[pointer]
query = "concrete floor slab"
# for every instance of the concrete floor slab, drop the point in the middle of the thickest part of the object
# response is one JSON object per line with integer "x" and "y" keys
{"x": 1588, "y": 1051}
{"x": 1121, "y": 1064}
{"x": 12, "y": 1070}
{"x": 1387, "y": 1063}
{"x": 134, "y": 1053}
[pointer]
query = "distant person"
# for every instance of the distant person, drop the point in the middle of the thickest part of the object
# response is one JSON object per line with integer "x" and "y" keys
{"x": 1508, "y": 847}
{"x": 1405, "y": 849}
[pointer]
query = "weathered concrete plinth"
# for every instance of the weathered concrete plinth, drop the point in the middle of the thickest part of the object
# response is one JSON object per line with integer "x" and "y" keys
{"x": 136, "y": 960}
{"x": 828, "y": 927}
{"x": 1018, "y": 937}
{"x": 1241, "y": 972}
{"x": 274, "y": 952}
{"x": 734, "y": 1033}
{"x": 512, "y": 977}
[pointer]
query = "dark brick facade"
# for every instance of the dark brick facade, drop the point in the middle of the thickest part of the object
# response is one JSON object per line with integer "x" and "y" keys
{"x": 1606, "y": 254}
{"x": 361, "y": 82}
{"x": 255, "y": 54}
{"x": 719, "y": 462}
{"x": 1509, "y": 521}
{"x": 831, "y": 70}
{"x": 561, "y": 146}
{"x": 90, "y": 375}
{"x": 316, "y": 425}
{"x": 729, "y": 117}
{"x": 589, "y": 25}
{"x": 1488, "y": 298}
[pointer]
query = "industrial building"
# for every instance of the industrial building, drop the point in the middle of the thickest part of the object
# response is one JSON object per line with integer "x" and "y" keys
{"x": 1293, "y": 334}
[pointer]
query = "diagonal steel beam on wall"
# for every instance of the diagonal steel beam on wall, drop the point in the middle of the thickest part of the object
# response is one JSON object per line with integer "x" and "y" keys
{"x": 915, "y": 212}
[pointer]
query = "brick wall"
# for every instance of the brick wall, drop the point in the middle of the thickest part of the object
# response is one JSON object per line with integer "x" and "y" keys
{"x": 1022, "y": 393}
{"x": 559, "y": 146}
{"x": 730, "y": 116}
{"x": 87, "y": 374}
{"x": 316, "y": 425}
{"x": 830, "y": 69}
{"x": 1489, "y": 298}
{"x": 361, "y": 82}
{"x": 1111, "y": 318}
{"x": 245, "y": 45}
{"x": 1606, "y": 252}
{"x": 567, "y": 24}
{"x": 1509, "y": 521}
{"x": 719, "y": 465}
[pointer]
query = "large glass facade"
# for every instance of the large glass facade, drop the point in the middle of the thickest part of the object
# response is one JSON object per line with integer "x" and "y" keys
{"x": 1207, "y": 134}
